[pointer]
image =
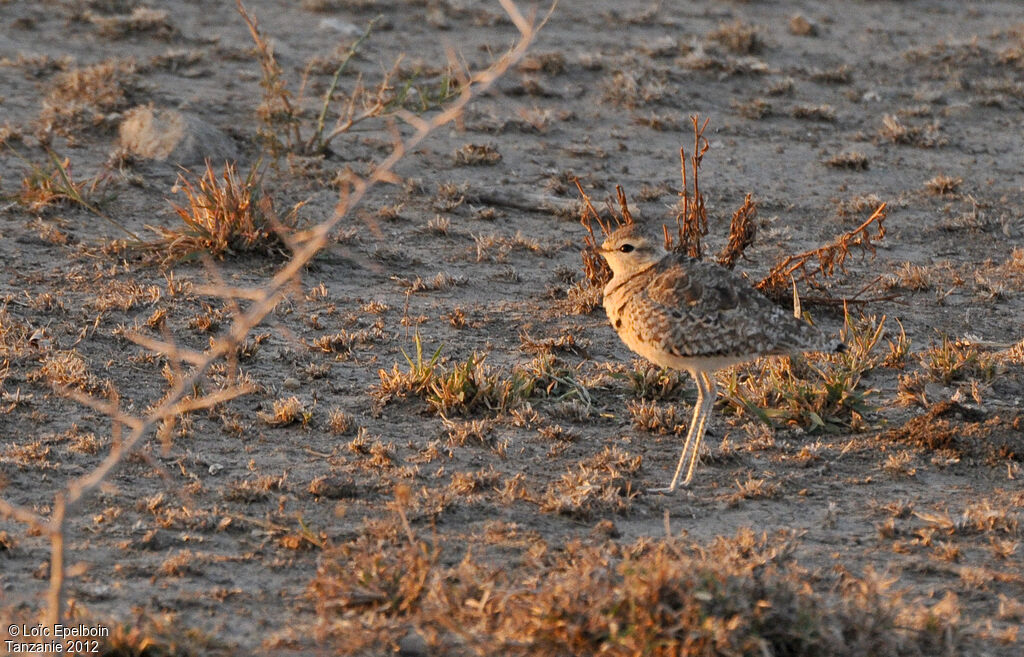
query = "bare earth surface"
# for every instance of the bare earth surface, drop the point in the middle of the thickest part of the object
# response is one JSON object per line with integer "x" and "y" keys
{"x": 230, "y": 536}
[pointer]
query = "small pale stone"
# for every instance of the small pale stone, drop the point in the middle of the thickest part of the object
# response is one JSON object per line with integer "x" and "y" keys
{"x": 168, "y": 135}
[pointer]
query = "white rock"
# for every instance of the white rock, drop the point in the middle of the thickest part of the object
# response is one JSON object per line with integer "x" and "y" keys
{"x": 168, "y": 135}
{"x": 343, "y": 28}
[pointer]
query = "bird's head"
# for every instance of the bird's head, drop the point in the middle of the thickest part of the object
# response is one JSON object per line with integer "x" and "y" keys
{"x": 628, "y": 249}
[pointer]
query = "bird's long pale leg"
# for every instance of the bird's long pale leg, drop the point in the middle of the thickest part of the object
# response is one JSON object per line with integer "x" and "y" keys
{"x": 695, "y": 425}
{"x": 710, "y": 396}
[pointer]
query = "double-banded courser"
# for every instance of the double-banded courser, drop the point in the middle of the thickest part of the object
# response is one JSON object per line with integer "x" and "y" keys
{"x": 685, "y": 314}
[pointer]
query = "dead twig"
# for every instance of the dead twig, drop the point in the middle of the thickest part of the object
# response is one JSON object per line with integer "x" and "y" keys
{"x": 817, "y": 264}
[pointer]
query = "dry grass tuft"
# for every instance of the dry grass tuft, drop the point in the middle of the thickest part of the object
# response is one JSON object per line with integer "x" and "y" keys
{"x": 225, "y": 215}
{"x": 633, "y": 89}
{"x": 896, "y": 131}
{"x": 66, "y": 369}
{"x": 477, "y": 155}
{"x": 853, "y": 160}
{"x": 285, "y": 412}
{"x": 550, "y": 63}
{"x": 942, "y": 185}
{"x": 344, "y": 342}
{"x": 141, "y": 20}
{"x": 755, "y": 108}
{"x": 753, "y": 489}
{"x": 742, "y": 231}
{"x": 650, "y": 382}
{"x": 339, "y": 422}
{"x": 85, "y": 97}
{"x": 802, "y": 26}
{"x": 900, "y": 464}
{"x": 602, "y": 483}
{"x": 819, "y": 392}
{"x": 55, "y": 186}
{"x": 653, "y": 417}
{"x": 45, "y": 187}
{"x": 841, "y": 74}
{"x": 742, "y": 595}
{"x": 957, "y": 360}
{"x": 737, "y": 37}
{"x": 814, "y": 112}
{"x": 857, "y": 205}
{"x": 951, "y": 432}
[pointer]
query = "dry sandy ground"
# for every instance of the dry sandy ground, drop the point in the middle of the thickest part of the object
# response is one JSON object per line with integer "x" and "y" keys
{"x": 813, "y": 118}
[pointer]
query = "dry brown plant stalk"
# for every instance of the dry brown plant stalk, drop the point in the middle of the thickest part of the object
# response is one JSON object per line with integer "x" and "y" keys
{"x": 263, "y": 300}
{"x": 814, "y": 265}
{"x": 284, "y": 116}
{"x": 692, "y": 214}
{"x": 277, "y": 109}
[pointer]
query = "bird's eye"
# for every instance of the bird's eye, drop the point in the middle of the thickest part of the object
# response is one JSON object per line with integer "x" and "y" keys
{"x": 627, "y": 248}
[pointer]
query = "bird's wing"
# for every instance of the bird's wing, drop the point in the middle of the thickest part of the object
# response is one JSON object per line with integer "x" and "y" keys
{"x": 711, "y": 311}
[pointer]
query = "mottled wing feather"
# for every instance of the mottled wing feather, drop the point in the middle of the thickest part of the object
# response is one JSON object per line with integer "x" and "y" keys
{"x": 694, "y": 308}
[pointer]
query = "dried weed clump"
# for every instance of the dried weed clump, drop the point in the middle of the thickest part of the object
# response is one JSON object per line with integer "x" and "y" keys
{"x": 923, "y": 136}
{"x": 691, "y": 209}
{"x": 952, "y": 431}
{"x": 652, "y": 383}
{"x": 633, "y": 89}
{"x": 742, "y": 595}
{"x": 290, "y": 125}
{"x": 603, "y": 483}
{"x": 852, "y": 160}
{"x": 477, "y": 155}
{"x": 737, "y": 37}
{"x": 84, "y": 97}
{"x": 141, "y": 20}
{"x": 463, "y": 387}
{"x": 55, "y": 185}
{"x": 653, "y": 417}
{"x": 225, "y": 215}
{"x": 755, "y": 108}
{"x": 955, "y": 360}
{"x": 825, "y": 113}
{"x": 67, "y": 369}
{"x": 943, "y": 185}
{"x": 819, "y": 392}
